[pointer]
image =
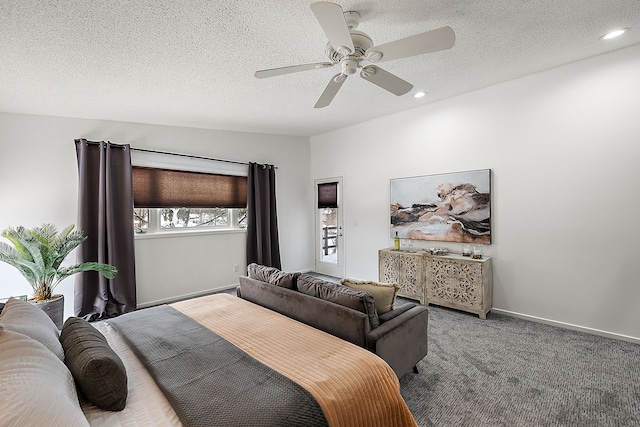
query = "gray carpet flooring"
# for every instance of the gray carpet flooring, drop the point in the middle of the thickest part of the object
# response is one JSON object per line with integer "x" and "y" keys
{"x": 505, "y": 371}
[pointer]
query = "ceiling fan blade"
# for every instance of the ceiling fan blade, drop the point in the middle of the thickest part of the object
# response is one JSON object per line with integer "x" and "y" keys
{"x": 331, "y": 90}
{"x": 331, "y": 19}
{"x": 385, "y": 80}
{"x": 291, "y": 69}
{"x": 430, "y": 41}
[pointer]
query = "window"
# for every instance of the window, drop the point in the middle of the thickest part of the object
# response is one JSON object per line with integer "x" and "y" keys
{"x": 152, "y": 220}
{"x": 168, "y": 200}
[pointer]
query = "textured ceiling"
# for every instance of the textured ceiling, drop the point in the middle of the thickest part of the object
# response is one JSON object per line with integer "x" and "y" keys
{"x": 191, "y": 63}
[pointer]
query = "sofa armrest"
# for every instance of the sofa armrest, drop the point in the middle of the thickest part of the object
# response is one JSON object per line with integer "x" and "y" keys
{"x": 384, "y": 317}
{"x": 402, "y": 340}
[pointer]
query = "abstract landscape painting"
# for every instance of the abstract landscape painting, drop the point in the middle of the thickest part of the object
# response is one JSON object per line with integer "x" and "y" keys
{"x": 452, "y": 207}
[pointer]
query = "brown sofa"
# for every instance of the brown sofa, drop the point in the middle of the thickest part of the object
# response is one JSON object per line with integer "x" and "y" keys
{"x": 398, "y": 336}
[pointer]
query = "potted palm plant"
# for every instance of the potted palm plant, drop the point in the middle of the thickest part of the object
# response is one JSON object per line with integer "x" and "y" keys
{"x": 38, "y": 254}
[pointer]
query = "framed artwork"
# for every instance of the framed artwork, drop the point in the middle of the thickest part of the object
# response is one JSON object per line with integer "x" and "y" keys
{"x": 450, "y": 207}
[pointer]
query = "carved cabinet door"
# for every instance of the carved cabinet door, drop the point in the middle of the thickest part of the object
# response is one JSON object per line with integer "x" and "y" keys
{"x": 404, "y": 268}
{"x": 456, "y": 283}
{"x": 411, "y": 276}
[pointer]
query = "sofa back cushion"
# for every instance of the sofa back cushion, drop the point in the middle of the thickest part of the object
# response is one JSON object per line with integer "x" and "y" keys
{"x": 340, "y": 294}
{"x": 272, "y": 275}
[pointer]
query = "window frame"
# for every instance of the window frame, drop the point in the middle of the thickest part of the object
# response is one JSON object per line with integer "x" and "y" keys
{"x": 188, "y": 164}
{"x": 154, "y": 230}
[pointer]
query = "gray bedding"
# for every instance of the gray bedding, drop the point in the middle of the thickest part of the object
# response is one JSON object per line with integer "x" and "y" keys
{"x": 209, "y": 381}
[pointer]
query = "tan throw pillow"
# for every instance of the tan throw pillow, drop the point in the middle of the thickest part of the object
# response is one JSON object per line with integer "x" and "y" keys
{"x": 25, "y": 318}
{"x": 383, "y": 293}
{"x": 37, "y": 388}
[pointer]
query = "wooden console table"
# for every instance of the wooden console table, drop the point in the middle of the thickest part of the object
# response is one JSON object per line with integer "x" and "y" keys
{"x": 448, "y": 280}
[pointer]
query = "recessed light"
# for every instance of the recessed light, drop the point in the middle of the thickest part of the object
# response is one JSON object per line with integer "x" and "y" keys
{"x": 419, "y": 94}
{"x": 614, "y": 34}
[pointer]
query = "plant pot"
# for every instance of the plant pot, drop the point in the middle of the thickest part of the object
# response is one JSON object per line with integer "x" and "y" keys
{"x": 54, "y": 308}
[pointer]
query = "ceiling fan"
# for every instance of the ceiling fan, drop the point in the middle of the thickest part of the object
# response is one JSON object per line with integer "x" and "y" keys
{"x": 354, "y": 50}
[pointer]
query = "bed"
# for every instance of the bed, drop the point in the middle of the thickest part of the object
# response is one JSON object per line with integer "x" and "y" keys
{"x": 352, "y": 386}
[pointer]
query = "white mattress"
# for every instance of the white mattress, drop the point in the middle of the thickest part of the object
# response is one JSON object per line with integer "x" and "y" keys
{"x": 146, "y": 405}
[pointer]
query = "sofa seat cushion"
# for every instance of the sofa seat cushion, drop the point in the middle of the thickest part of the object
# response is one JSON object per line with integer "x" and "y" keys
{"x": 272, "y": 275}
{"x": 340, "y": 294}
{"x": 383, "y": 293}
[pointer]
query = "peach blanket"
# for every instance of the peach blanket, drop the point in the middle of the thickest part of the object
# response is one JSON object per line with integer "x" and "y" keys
{"x": 353, "y": 386}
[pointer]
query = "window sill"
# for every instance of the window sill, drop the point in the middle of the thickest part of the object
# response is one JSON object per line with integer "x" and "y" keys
{"x": 190, "y": 233}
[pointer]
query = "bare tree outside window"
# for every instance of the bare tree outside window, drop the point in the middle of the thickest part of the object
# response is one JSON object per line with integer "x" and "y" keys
{"x": 152, "y": 220}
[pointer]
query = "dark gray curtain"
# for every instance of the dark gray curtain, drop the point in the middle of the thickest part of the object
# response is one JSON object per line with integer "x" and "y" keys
{"x": 262, "y": 220}
{"x": 105, "y": 216}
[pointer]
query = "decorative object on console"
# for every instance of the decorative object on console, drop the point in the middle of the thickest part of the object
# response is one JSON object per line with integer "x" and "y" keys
{"x": 466, "y": 250}
{"x": 38, "y": 254}
{"x": 452, "y": 207}
{"x": 477, "y": 252}
{"x": 437, "y": 251}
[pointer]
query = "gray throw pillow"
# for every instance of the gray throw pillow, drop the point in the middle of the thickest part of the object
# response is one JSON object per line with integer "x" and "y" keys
{"x": 272, "y": 275}
{"x": 36, "y": 389}
{"x": 28, "y": 319}
{"x": 340, "y": 294}
{"x": 260, "y": 272}
{"x": 98, "y": 371}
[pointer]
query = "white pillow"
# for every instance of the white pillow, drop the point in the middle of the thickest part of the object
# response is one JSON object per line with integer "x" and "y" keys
{"x": 36, "y": 388}
{"x": 26, "y": 318}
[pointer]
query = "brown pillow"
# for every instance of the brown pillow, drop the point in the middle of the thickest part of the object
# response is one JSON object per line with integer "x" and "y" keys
{"x": 340, "y": 294}
{"x": 383, "y": 293}
{"x": 99, "y": 373}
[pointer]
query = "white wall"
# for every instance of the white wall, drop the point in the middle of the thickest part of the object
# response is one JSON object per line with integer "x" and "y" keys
{"x": 38, "y": 183}
{"x": 564, "y": 151}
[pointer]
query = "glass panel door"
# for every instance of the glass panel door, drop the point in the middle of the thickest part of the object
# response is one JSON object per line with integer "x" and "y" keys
{"x": 328, "y": 224}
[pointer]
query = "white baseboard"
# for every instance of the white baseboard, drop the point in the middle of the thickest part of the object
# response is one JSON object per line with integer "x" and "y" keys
{"x": 568, "y": 326}
{"x": 185, "y": 296}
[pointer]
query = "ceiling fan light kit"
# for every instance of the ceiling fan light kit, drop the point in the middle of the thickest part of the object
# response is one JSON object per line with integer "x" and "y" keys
{"x": 354, "y": 50}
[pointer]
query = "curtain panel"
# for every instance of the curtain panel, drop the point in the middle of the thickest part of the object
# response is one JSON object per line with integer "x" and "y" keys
{"x": 105, "y": 209}
{"x": 263, "y": 246}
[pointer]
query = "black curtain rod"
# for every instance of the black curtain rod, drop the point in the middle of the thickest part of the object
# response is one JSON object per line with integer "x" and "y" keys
{"x": 177, "y": 154}
{"x": 189, "y": 155}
